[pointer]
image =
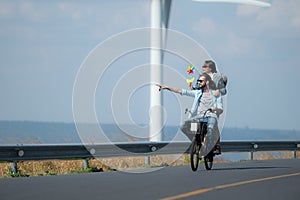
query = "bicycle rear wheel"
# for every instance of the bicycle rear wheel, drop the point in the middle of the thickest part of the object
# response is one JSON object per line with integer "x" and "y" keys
{"x": 194, "y": 154}
{"x": 208, "y": 161}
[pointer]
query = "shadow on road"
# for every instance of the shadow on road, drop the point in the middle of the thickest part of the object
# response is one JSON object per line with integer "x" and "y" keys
{"x": 247, "y": 168}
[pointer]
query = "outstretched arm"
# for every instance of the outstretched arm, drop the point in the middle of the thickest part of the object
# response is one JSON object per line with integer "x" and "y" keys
{"x": 172, "y": 89}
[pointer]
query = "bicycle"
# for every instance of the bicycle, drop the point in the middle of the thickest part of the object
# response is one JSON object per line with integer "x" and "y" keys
{"x": 196, "y": 132}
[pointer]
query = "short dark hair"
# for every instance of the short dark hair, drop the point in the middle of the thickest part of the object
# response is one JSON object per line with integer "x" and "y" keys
{"x": 212, "y": 65}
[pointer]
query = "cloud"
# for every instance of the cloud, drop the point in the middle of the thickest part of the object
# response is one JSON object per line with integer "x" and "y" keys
{"x": 107, "y": 11}
{"x": 26, "y": 11}
{"x": 247, "y": 11}
{"x": 93, "y": 19}
{"x": 6, "y": 9}
{"x": 76, "y": 10}
{"x": 204, "y": 26}
{"x": 281, "y": 15}
{"x": 235, "y": 45}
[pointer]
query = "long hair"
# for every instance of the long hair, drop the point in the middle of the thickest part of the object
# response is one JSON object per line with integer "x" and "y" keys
{"x": 212, "y": 65}
{"x": 212, "y": 85}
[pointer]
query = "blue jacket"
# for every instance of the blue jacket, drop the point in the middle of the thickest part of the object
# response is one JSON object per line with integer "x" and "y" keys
{"x": 197, "y": 94}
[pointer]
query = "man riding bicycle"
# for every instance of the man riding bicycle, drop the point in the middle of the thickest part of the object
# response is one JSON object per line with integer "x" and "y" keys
{"x": 204, "y": 100}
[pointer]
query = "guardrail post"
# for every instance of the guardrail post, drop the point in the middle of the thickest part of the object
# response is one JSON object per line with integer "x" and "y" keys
{"x": 251, "y": 155}
{"x": 85, "y": 164}
{"x": 14, "y": 168}
{"x": 147, "y": 160}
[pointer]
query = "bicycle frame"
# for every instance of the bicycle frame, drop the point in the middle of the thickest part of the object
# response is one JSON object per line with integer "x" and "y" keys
{"x": 196, "y": 130}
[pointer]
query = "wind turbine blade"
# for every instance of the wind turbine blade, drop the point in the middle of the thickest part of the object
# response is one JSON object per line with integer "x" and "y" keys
{"x": 166, "y": 6}
{"x": 166, "y": 9}
{"x": 246, "y": 2}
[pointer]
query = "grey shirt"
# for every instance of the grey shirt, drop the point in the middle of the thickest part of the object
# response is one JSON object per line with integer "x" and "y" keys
{"x": 206, "y": 102}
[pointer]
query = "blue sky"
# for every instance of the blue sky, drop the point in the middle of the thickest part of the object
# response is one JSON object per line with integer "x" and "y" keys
{"x": 44, "y": 43}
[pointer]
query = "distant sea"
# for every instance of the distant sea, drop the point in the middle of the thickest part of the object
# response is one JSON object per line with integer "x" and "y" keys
{"x": 29, "y": 132}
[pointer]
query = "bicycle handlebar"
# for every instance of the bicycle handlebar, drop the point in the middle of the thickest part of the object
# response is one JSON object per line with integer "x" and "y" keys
{"x": 208, "y": 110}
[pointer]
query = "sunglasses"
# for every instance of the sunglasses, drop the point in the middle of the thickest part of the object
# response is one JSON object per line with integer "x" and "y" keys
{"x": 200, "y": 81}
{"x": 204, "y": 66}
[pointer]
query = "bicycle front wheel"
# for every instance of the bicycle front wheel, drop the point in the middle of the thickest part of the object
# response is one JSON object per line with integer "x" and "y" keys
{"x": 194, "y": 154}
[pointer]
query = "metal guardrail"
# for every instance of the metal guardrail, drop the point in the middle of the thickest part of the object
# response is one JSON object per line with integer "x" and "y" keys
{"x": 12, "y": 153}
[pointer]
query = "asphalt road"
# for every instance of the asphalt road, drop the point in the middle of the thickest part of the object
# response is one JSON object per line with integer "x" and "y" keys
{"x": 251, "y": 180}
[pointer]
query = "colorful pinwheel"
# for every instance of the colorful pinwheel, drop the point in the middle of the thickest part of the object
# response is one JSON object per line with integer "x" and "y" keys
{"x": 190, "y": 69}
